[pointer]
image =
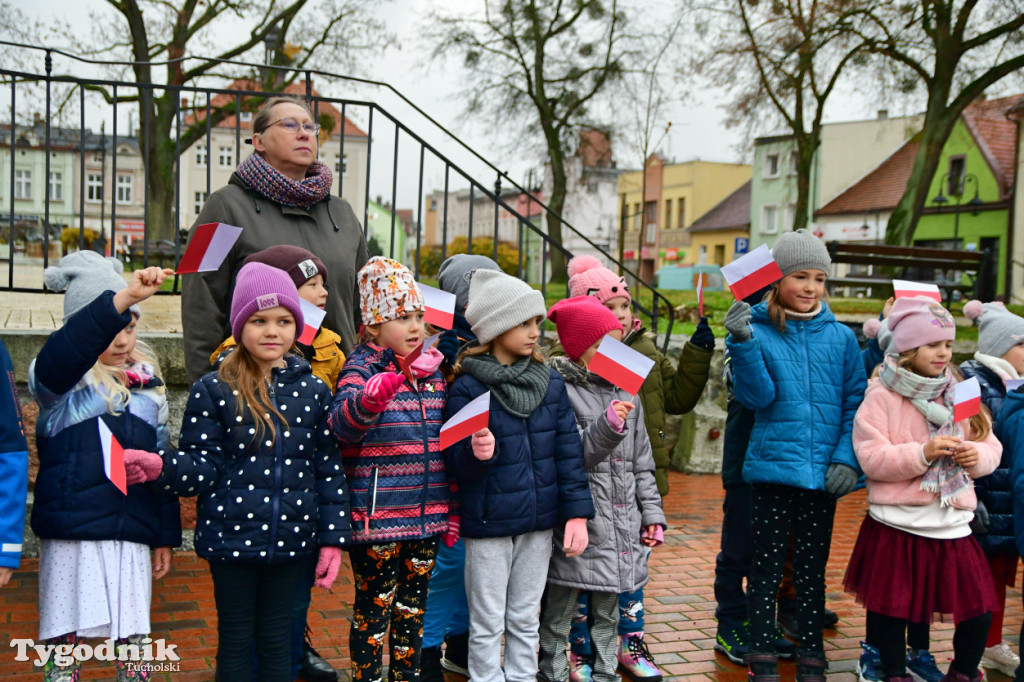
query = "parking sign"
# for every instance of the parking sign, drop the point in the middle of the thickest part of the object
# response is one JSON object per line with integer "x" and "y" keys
{"x": 742, "y": 245}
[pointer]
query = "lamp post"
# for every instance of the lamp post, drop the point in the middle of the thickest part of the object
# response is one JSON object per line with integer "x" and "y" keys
{"x": 974, "y": 202}
{"x": 270, "y": 44}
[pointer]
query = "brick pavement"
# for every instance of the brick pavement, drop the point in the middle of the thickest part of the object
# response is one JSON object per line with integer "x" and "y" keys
{"x": 680, "y": 603}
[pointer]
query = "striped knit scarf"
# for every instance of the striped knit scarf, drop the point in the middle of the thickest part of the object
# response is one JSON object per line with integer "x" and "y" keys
{"x": 944, "y": 476}
{"x": 271, "y": 183}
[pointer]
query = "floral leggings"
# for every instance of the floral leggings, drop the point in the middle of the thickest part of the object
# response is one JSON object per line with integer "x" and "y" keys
{"x": 391, "y": 583}
{"x": 70, "y": 672}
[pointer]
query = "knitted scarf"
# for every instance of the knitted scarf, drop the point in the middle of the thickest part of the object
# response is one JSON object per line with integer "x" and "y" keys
{"x": 570, "y": 371}
{"x": 931, "y": 395}
{"x": 271, "y": 183}
{"x": 1003, "y": 369}
{"x": 519, "y": 388}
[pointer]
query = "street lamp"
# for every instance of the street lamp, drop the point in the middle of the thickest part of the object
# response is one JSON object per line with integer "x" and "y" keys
{"x": 975, "y": 202}
{"x": 270, "y": 43}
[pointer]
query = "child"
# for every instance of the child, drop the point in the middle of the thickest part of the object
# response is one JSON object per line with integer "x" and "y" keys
{"x": 13, "y": 471}
{"x": 95, "y": 570}
{"x": 389, "y": 430}
{"x": 620, "y": 469}
{"x": 801, "y": 372}
{"x": 257, "y": 452}
{"x": 518, "y": 479}
{"x": 919, "y": 465}
{"x": 1011, "y": 419}
{"x": 665, "y": 391}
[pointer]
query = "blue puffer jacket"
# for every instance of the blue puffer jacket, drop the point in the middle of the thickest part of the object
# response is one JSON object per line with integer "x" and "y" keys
{"x": 805, "y": 387}
{"x": 995, "y": 491}
{"x": 74, "y": 499}
{"x": 13, "y": 466}
{"x": 1011, "y": 435}
{"x": 269, "y": 501}
{"x": 536, "y": 478}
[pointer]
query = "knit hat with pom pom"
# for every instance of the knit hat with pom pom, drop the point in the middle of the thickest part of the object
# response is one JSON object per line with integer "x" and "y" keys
{"x": 879, "y": 329}
{"x": 581, "y": 321}
{"x": 999, "y": 330}
{"x": 917, "y": 321}
{"x": 587, "y": 277}
{"x": 85, "y": 275}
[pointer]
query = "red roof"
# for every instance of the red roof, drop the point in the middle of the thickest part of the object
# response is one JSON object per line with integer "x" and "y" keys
{"x": 731, "y": 213}
{"x": 879, "y": 190}
{"x": 996, "y": 136}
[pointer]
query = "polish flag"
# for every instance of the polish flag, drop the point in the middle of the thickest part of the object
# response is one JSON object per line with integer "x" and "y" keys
{"x": 313, "y": 318}
{"x": 438, "y": 307}
{"x": 966, "y": 399}
{"x": 208, "y": 247}
{"x": 700, "y": 293}
{"x": 902, "y": 288}
{"x": 411, "y": 357}
{"x": 470, "y": 419}
{"x": 753, "y": 271}
{"x": 621, "y": 365}
{"x": 113, "y": 458}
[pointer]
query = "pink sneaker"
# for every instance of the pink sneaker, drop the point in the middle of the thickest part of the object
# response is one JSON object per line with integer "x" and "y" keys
{"x": 580, "y": 669}
{"x": 635, "y": 660}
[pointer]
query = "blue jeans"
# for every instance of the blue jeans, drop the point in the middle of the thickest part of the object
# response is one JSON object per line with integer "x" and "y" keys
{"x": 447, "y": 608}
{"x": 631, "y": 619}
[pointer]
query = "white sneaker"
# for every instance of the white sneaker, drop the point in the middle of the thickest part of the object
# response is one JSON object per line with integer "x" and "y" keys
{"x": 1000, "y": 657}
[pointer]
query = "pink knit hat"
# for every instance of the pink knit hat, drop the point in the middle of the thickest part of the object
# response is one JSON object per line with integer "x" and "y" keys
{"x": 587, "y": 277}
{"x": 580, "y": 322}
{"x": 916, "y": 321}
{"x": 259, "y": 287}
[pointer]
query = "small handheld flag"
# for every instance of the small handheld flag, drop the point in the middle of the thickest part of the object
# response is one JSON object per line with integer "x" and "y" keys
{"x": 753, "y": 271}
{"x": 208, "y": 247}
{"x": 902, "y": 288}
{"x": 411, "y": 357}
{"x": 621, "y": 365}
{"x": 700, "y": 294}
{"x": 966, "y": 399}
{"x": 113, "y": 458}
{"x": 313, "y": 317}
{"x": 438, "y": 307}
{"x": 470, "y": 419}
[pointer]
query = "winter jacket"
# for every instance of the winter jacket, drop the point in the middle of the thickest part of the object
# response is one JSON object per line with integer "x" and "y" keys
{"x": 261, "y": 499}
{"x": 1011, "y": 433}
{"x": 393, "y": 461}
{"x": 888, "y": 434}
{"x": 995, "y": 491}
{"x": 805, "y": 386}
{"x": 535, "y": 480}
{"x": 74, "y": 499}
{"x": 13, "y": 466}
{"x": 739, "y": 423}
{"x": 327, "y": 356}
{"x": 620, "y": 469}
{"x": 329, "y": 229}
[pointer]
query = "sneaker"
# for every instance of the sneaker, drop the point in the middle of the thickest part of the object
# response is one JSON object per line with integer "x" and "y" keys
{"x": 784, "y": 648}
{"x": 430, "y": 664}
{"x": 1001, "y": 657}
{"x": 921, "y": 664}
{"x": 869, "y": 667}
{"x": 456, "y": 654}
{"x": 734, "y": 641}
{"x": 580, "y": 668}
{"x": 635, "y": 660}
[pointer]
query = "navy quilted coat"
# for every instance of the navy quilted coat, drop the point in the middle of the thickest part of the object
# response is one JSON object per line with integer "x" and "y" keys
{"x": 74, "y": 499}
{"x": 536, "y": 478}
{"x": 805, "y": 387}
{"x": 268, "y": 501}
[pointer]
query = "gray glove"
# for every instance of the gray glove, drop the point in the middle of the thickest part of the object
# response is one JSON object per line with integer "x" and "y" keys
{"x": 979, "y": 526}
{"x": 840, "y": 479}
{"x": 736, "y": 321}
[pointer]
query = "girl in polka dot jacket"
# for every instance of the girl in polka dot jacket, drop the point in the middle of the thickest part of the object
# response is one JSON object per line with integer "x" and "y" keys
{"x": 389, "y": 426}
{"x": 256, "y": 450}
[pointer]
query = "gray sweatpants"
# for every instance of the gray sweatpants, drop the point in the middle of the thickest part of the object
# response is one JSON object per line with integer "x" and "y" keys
{"x": 555, "y": 622}
{"x": 504, "y": 583}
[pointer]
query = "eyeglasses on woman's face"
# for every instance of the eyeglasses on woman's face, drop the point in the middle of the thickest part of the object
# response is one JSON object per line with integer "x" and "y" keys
{"x": 292, "y": 126}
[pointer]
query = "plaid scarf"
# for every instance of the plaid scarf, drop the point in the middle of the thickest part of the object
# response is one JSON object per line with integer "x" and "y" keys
{"x": 931, "y": 395}
{"x": 271, "y": 183}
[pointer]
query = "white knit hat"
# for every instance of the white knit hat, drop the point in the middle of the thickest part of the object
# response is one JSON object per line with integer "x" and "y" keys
{"x": 499, "y": 302}
{"x": 83, "y": 276}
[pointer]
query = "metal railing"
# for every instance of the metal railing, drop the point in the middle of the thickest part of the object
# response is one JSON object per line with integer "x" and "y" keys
{"x": 533, "y": 243}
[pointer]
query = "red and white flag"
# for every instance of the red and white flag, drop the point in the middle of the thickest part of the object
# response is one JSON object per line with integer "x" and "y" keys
{"x": 621, "y": 365}
{"x": 208, "y": 247}
{"x": 113, "y": 458}
{"x": 411, "y": 357}
{"x": 438, "y": 307}
{"x": 470, "y": 419}
{"x": 753, "y": 271}
{"x": 700, "y": 293}
{"x": 966, "y": 399}
{"x": 902, "y": 288}
{"x": 312, "y": 317}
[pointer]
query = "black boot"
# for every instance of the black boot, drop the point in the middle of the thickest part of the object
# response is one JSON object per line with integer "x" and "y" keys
{"x": 312, "y": 668}
{"x": 430, "y": 665}
{"x": 762, "y": 667}
{"x": 811, "y": 667}
{"x": 456, "y": 654}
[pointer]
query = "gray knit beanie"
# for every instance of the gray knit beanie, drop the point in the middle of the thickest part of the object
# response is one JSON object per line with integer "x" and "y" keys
{"x": 499, "y": 302}
{"x": 999, "y": 330}
{"x": 456, "y": 272}
{"x": 85, "y": 275}
{"x": 801, "y": 250}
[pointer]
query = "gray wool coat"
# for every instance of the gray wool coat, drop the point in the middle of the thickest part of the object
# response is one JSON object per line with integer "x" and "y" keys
{"x": 620, "y": 468}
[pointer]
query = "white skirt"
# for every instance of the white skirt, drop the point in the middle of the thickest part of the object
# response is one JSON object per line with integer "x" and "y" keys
{"x": 95, "y": 588}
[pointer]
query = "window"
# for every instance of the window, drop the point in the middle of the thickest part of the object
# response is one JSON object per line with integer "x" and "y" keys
{"x": 225, "y": 157}
{"x": 682, "y": 212}
{"x": 651, "y": 234}
{"x": 56, "y": 186}
{"x": 592, "y": 188}
{"x": 719, "y": 254}
{"x": 702, "y": 255}
{"x": 124, "y": 189}
{"x": 651, "y": 212}
{"x": 636, "y": 213}
{"x": 246, "y": 117}
{"x": 22, "y": 184}
{"x": 794, "y": 162}
{"x": 769, "y": 219}
{"x": 200, "y": 201}
{"x": 94, "y": 187}
{"x": 957, "y": 166}
{"x": 668, "y": 214}
{"x": 201, "y": 155}
{"x": 771, "y": 165}
{"x": 341, "y": 164}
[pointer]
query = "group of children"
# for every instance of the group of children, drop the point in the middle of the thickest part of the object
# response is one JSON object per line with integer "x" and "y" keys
{"x": 297, "y": 453}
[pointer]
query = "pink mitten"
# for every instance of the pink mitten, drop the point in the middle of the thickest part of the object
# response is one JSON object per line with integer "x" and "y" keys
{"x": 658, "y": 537}
{"x": 327, "y": 566}
{"x": 141, "y": 466}
{"x": 454, "y": 531}
{"x": 379, "y": 391}
{"x": 575, "y": 537}
{"x": 614, "y": 419}
{"x": 427, "y": 363}
{"x": 483, "y": 444}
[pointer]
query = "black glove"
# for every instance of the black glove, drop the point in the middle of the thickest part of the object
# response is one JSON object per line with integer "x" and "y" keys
{"x": 449, "y": 346}
{"x": 703, "y": 337}
{"x": 840, "y": 479}
{"x": 979, "y": 526}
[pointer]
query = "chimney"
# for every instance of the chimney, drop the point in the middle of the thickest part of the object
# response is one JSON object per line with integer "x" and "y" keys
{"x": 883, "y": 114}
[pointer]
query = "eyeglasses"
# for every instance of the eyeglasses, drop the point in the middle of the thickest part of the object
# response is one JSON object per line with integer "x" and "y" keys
{"x": 292, "y": 126}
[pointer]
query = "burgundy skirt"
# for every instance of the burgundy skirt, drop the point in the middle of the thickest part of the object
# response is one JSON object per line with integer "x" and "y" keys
{"x": 908, "y": 576}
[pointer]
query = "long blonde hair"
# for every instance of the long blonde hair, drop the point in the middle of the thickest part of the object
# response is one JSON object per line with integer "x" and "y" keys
{"x": 113, "y": 381}
{"x": 240, "y": 372}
